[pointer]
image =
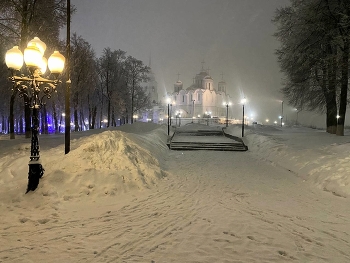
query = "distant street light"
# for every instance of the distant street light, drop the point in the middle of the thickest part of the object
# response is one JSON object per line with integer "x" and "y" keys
{"x": 282, "y": 115}
{"x": 227, "y": 104}
{"x": 34, "y": 88}
{"x": 243, "y": 101}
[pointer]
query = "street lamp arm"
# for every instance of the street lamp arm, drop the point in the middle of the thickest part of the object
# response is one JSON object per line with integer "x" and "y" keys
{"x": 32, "y": 94}
{"x": 36, "y": 79}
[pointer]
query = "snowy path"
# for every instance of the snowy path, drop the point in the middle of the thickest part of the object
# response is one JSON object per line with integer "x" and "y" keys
{"x": 193, "y": 215}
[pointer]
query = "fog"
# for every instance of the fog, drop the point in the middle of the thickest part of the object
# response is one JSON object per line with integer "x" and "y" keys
{"x": 234, "y": 39}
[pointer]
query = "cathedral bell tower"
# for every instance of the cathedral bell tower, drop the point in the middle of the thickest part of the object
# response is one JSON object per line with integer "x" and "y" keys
{"x": 178, "y": 85}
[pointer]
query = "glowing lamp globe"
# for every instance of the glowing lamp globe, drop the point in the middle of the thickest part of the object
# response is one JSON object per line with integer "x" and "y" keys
{"x": 32, "y": 56}
{"x": 43, "y": 65}
{"x": 56, "y": 62}
{"x": 14, "y": 58}
{"x": 38, "y": 43}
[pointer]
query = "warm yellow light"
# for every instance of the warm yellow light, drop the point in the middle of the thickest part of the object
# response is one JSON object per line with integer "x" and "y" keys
{"x": 32, "y": 56}
{"x": 56, "y": 62}
{"x": 38, "y": 43}
{"x": 14, "y": 58}
{"x": 43, "y": 65}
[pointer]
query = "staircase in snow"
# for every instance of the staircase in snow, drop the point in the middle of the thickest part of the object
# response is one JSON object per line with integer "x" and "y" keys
{"x": 202, "y": 137}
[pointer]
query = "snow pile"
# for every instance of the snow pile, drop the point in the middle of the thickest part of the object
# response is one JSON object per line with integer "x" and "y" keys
{"x": 107, "y": 163}
{"x": 316, "y": 156}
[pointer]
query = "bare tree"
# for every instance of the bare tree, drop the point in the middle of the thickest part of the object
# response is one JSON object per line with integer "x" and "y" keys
{"x": 312, "y": 46}
{"x": 83, "y": 77}
{"x": 137, "y": 73}
{"x": 111, "y": 71}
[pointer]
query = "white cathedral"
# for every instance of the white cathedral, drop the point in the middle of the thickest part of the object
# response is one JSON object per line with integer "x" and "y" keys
{"x": 201, "y": 99}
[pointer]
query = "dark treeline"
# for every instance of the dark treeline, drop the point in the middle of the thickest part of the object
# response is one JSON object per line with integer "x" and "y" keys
{"x": 105, "y": 91}
{"x": 314, "y": 56}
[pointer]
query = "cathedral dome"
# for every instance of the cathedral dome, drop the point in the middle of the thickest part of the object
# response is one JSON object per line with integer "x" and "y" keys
{"x": 208, "y": 77}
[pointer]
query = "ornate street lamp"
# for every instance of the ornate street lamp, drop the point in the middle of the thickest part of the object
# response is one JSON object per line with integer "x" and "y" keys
{"x": 227, "y": 104}
{"x": 35, "y": 88}
{"x": 243, "y": 101}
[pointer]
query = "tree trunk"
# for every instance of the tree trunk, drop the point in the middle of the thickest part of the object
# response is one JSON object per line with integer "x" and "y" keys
{"x": 12, "y": 117}
{"x": 45, "y": 123}
{"x": 93, "y": 117}
{"x": 3, "y": 126}
{"x": 100, "y": 118}
{"x": 27, "y": 118}
{"x": 76, "y": 120}
{"x": 108, "y": 112}
{"x": 331, "y": 96}
{"x": 344, "y": 88}
{"x": 55, "y": 117}
{"x": 21, "y": 124}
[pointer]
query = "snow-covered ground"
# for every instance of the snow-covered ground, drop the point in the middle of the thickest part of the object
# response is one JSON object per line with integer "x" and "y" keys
{"x": 121, "y": 195}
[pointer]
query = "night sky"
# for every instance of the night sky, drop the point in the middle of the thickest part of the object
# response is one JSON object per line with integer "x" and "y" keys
{"x": 232, "y": 37}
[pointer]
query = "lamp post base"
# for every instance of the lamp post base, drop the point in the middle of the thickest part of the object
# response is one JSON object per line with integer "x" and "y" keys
{"x": 36, "y": 171}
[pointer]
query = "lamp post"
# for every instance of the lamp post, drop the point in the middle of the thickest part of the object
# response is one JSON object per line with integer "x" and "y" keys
{"x": 297, "y": 121}
{"x": 180, "y": 118}
{"x": 282, "y": 115}
{"x": 193, "y": 109}
{"x": 177, "y": 114}
{"x": 227, "y": 104}
{"x": 35, "y": 89}
{"x": 168, "y": 101}
{"x": 171, "y": 110}
{"x": 243, "y": 101}
{"x": 207, "y": 115}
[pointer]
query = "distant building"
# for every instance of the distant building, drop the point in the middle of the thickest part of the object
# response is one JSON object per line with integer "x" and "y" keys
{"x": 201, "y": 99}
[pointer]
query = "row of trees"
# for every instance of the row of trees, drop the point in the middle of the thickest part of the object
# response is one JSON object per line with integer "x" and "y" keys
{"x": 103, "y": 89}
{"x": 314, "y": 56}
